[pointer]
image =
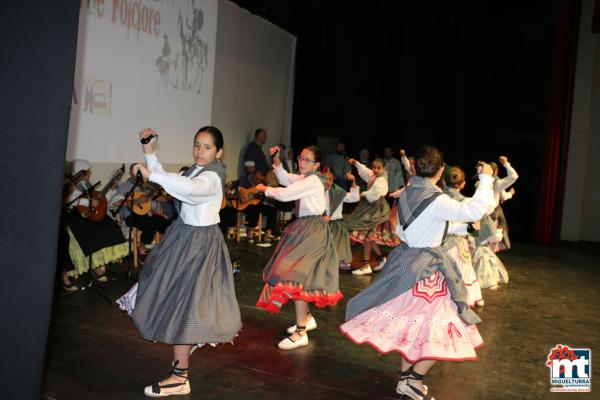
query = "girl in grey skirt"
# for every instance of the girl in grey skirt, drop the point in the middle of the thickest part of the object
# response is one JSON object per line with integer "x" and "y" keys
{"x": 185, "y": 295}
{"x": 335, "y": 197}
{"x": 304, "y": 266}
{"x": 371, "y": 212}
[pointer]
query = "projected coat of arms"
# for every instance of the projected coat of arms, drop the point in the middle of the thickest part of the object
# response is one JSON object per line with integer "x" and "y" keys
{"x": 97, "y": 95}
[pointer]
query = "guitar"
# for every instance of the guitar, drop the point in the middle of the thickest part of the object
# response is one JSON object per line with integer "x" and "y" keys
{"x": 142, "y": 202}
{"x": 247, "y": 197}
{"x": 98, "y": 212}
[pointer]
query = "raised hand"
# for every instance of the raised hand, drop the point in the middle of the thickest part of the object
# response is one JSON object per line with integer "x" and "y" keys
{"x": 484, "y": 168}
{"x": 274, "y": 152}
{"x": 396, "y": 194}
{"x": 503, "y": 160}
{"x": 151, "y": 146}
{"x": 141, "y": 168}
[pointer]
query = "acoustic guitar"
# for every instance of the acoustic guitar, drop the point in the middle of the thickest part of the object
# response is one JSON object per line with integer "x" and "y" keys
{"x": 247, "y": 197}
{"x": 98, "y": 212}
{"x": 142, "y": 202}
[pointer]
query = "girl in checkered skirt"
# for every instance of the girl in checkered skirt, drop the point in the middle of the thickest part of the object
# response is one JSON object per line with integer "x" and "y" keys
{"x": 369, "y": 222}
{"x": 185, "y": 295}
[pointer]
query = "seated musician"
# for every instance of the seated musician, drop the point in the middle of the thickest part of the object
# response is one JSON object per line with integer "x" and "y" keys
{"x": 107, "y": 244}
{"x": 151, "y": 212}
{"x": 63, "y": 259}
{"x": 245, "y": 186}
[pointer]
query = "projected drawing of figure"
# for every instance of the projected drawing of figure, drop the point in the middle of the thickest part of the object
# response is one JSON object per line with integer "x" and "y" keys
{"x": 184, "y": 51}
{"x": 175, "y": 63}
{"x": 201, "y": 61}
{"x": 164, "y": 62}
{"x": 190, "y": 63}
{"x": 199, "y": 49}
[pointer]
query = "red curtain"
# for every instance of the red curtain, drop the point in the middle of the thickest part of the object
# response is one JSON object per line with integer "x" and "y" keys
{"x": 559, "y": 120}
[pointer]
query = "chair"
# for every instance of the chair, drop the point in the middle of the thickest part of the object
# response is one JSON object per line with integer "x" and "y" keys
{"x": 239, "y": 217}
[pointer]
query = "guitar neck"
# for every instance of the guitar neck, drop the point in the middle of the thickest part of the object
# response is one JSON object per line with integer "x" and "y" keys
{"x": 116, "y": 176}
{"x": 106, "y": 188}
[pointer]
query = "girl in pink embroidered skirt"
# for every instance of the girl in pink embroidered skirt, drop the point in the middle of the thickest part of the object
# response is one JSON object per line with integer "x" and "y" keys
{"x": 418, "y": 306}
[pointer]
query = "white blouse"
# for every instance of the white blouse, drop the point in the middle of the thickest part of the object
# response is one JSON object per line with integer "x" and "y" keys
{"x": 308, "y": 189}
{"x": 428, "y": 229}
{"x": 505, "y": 195}
{"x": 379, "y": 187}
{"x": 351, "y": 197}
{"x": 458, "y": 228}
{"x": 502, "y": 184}
{"x": 201, "y": 196}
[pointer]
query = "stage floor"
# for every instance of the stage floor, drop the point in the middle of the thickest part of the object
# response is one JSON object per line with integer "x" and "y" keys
{"x": 94, "y": 352}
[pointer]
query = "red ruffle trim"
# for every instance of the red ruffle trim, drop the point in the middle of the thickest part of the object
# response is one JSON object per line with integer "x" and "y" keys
{"x": 272, "y": 298}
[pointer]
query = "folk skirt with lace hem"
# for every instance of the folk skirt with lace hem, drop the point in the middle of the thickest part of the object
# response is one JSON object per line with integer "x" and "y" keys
{"x": 457, "y": 247}
{"x": 488, "y": 267}
{"x": 186, "y": 293}
{"x": 304, "y": 266}
{"x": 420, "y": 324}
{"x": 107, "y": 243}
{"x": 371, "y": 222}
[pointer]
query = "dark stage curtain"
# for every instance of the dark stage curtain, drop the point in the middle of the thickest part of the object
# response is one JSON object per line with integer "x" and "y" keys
{"x": 559, "y": 120}
{"x": 37, "y": 62}
{"x": 596, "y": 20}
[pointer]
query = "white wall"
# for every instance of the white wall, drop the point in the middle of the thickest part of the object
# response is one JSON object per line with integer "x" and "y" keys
{"x": 581, "y": 210}
{"x": 254, "y": 81}
{"x": 142, "y": 64}
{"x": 249, "y": 83}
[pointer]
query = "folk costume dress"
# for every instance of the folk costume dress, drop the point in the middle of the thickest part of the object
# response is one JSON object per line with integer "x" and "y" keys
{"x": 107, "y": 244}
{"x": 335, "y": 198}
{"x": 304, "y": 265}
{"x": 500, "y": 193}
{"x": 371, "y": 219}
{"x": 185, "y": 293}
{"x": 417, "y": 305}
{"x": 489, "y": 268}
{"x": 458, "y": 247}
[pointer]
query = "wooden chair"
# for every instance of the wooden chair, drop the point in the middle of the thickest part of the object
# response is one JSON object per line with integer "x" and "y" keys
{"x": 238, "y": 224}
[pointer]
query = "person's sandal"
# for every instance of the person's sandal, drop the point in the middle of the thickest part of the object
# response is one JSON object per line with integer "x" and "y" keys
{"x": 99, "y": 277}
{"x": 412, "y": 391}
{"x": 156, "y": 389}
{"x": 310, "y": 324}
{"x": 288, "y": 343}
{"x": 403, "y": 381}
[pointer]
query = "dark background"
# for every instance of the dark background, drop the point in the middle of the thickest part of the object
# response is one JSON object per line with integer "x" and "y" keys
{"x": 472, "y": 77}
{"x": 38, "y": 40}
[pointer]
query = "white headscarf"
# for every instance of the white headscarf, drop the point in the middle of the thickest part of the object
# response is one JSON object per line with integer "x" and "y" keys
{"x": 78, "y": 165}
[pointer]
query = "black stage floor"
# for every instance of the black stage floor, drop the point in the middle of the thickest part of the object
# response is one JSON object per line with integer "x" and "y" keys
{"x": 94, "y": 352}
